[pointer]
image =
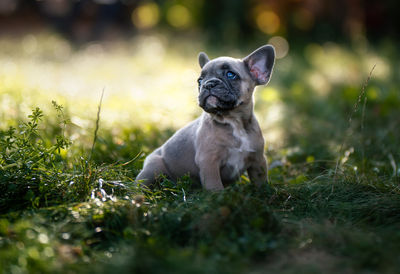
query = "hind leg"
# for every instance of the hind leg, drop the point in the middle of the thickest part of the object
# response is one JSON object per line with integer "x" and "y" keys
{"x": 258, "y": 171}
{"x": 153, "y": 167}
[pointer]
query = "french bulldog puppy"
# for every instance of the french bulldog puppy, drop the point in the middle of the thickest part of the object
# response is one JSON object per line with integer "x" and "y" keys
{"x": 226, "y": 140}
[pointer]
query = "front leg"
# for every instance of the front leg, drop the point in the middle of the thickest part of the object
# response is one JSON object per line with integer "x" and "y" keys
{"x": 210, "y": 178}
{"x": 210, "y": 174}
{"x": 258, "y": 171}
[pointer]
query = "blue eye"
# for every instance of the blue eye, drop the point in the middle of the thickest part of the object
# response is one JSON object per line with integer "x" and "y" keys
{"x": 231, "y": 75}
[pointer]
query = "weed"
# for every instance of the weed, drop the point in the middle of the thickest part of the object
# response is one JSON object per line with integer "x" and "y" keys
{"x": 31, "y": 168}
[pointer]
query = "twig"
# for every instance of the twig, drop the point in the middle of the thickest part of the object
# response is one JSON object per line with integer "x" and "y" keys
{"x": 97, "y": 125}
{"x": 355, "y": 109}
{"x": 393, "y": 164}
{"x": 362, "y": 134}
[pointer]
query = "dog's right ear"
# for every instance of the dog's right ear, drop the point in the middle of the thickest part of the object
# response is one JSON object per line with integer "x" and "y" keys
{"x": 203, "y": 59}
{"x": 260, "y": 64}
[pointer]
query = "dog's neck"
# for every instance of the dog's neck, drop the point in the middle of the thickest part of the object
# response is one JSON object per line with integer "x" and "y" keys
{"x": 242, "y": 116}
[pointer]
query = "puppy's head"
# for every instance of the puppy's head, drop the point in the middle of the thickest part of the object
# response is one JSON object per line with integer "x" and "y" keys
{"x": 226, "y": 83}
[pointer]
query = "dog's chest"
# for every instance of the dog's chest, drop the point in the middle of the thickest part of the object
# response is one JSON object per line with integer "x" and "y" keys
{"x": 237, "y": 154}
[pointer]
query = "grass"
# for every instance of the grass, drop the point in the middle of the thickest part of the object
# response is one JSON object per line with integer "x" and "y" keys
{"x": 69, "y": 204}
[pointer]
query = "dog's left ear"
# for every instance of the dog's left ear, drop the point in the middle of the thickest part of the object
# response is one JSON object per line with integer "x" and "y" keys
{"x": 203, "y": 59}
{"x": 260, "y": 64}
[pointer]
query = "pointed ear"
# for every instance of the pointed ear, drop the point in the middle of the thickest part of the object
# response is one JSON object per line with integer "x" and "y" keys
{"x": 260, "y": 64}
{"x": 203, "y": 59}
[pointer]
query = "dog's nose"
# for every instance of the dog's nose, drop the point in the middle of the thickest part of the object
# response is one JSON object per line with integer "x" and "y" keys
{"x": 210, "y": 84}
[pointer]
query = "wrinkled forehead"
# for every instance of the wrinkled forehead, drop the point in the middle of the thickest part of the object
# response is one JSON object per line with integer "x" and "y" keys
{"x": 224, "y": 63}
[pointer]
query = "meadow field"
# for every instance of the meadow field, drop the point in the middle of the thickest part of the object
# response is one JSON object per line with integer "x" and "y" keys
{"x": 68, "y": 160}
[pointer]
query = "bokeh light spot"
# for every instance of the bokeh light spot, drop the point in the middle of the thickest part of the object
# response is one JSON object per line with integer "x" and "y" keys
{"x": 178, "y": 16}
{"x": 382, "y": 69}
{"x": 268, "y": 22}
{"x": 319, "y": 83}
{"x": 281, "y": 46}
{"x": 146, "y": 16}
{"x": 269, "y": 94}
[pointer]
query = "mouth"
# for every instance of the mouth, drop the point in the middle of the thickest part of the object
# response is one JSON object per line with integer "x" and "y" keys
{"x": 210, "y": 104}
{"x": 213, "y": 104}
{"x": 211, "y": 101}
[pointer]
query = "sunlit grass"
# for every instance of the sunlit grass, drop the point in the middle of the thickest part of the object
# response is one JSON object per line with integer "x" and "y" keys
{"x": 143, "y": 83}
